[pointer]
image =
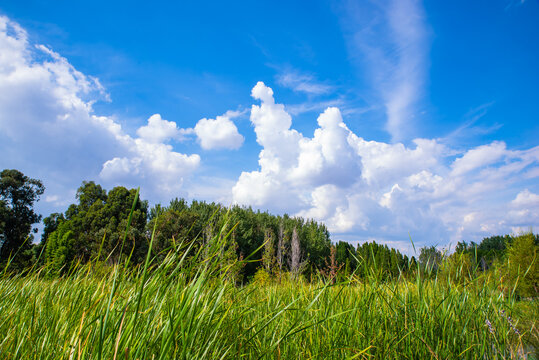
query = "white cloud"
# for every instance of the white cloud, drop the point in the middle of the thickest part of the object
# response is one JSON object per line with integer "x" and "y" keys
{"x": 362, "y": 189}
{"x": 524, "y": 211}
{"x": 302, "y": 83}
{"x": 48, "y": 128}
{"x": 384, "y": 191}
{"x": 526, "y": 198}
{"x": 219, "y": 133}
{"x": 158, "y": 130}
{"x": 154, "y": 164}
{"x": 389, "y": 42}
{"x": 479, "y": 157}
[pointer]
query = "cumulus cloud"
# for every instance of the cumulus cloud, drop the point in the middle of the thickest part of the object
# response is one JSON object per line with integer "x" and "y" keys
{"x": 158, "y": 130}
{"x": 219, "y": 133}
{"x": 150, "y": 161}
{"x": 525, "y": 198}
{"x": 385, "y": 191}
{"x": 48, "y": 127}
{"x": 362, "y": 189}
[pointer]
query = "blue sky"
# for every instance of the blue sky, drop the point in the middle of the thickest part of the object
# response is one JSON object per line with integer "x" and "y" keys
{"x": 380, "y": 118}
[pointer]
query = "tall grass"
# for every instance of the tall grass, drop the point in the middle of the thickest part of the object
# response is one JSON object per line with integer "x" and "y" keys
{"x": 186, "y": 308}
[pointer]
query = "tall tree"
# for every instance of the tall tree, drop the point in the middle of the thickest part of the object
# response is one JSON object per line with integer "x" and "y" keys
{"x": 295, "y": 254}
{"x": 280, "y": 248}
{"x": 51, "y": 223}
{"x": 18, "y": 193}
{"x": 96, "y": 226}
{"x": 430, "y": 258}
{"x": 268, "y": 257}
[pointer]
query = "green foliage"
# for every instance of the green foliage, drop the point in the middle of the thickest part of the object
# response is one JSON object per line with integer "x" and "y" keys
{"x": 522, "y": 265}
{"x": 379, "y": 260}
{"x": 184, "y": 302}
{"x": 250, "y": 230}
{"x": 18, "y": 193}
{"x": 346, "y": 257}
{"x": 430, "y": 259}
{"x": 488, "y": 251}
{"x": 59, "y": 251}
{"x": 262, "y": 278}
{"x": 178, "y": 312}
{"x": 50, "y": 224}
{"x": 458, "y": 268}
{"x": 95, "y": 226}
{"x": 170, "y": 227}
{"x": 268, "y": 256}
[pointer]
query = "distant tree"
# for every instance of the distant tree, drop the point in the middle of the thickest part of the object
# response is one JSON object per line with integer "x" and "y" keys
{"x": 430, "y": 258}
{"x": 155, "y": 211}
{"x": 491, "y": 249}
{"x": 317, "y": 243}
{"x": 178, "y": 204}
{"x": 51, "y": 223}
{"x": 96, "y": 227}
{"x": 487, "y": 252}
{"x": 280, "y": 248}
{"x": 268, "y": 257}
{"x": 18, "y": 193}
{"x": 462, "y": 247}
{"x": 346, "y": 257}
{"x": 380, "y": 261}
{"x": 90, "y": 193}
{"x": 60, "y": 247}
{"x": 171, "y": 228}
{"x": 522, "y": 265}
{"x": 295, "y": 254}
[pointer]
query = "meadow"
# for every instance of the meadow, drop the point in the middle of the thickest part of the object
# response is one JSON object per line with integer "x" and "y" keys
{"x": 187, "y": 307}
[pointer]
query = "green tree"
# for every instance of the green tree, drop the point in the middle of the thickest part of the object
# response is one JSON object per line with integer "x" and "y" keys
{"x": 268, "y": 256}
{"x": 60, "y": 247}
{"x": 96, "y": 226}
{"x": 430, "y": 258}
{"x": 18, "y": 193}
{"x": 171, "y": 228}
{"x": 346, "y": 257}
{"x": 521, "y": 265}
{"x": 50, "y": 224}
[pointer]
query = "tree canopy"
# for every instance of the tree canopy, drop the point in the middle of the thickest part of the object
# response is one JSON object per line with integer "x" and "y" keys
{"x": 96, "y": 226}
{"x": 18, "y": 193}
{"x": 94, "y": 229}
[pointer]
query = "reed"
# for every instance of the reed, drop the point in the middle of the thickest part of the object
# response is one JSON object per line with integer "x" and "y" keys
{"x": 186, "y": 307}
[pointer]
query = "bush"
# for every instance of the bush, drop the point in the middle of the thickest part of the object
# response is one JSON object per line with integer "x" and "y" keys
{"x": 262, "y": 277}
{"x": 521, "y": 266}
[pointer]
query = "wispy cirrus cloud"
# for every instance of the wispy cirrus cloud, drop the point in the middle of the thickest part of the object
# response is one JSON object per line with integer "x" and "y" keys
{"x": 471, "y": 127}
{"x": 302, "y": 82}
{"x": 389, "y": 42}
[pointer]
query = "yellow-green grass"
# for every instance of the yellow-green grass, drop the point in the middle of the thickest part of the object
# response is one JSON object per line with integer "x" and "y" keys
{"x": 185, "y": 313}
{"x": 186, "y": 307}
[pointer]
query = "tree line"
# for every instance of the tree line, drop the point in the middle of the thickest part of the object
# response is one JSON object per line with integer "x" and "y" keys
{"x": 96, "y": 229}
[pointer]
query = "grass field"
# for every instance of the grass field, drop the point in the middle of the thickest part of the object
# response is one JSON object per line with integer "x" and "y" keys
{"x": 186, "y": 311}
